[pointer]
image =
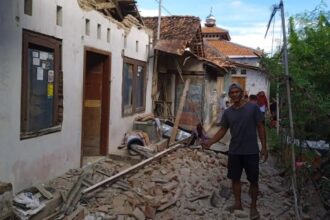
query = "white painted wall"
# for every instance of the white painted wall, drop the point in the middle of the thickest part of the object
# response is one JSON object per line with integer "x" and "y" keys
{"x": 35, "y": 160}
{"x": 256, "y": 81}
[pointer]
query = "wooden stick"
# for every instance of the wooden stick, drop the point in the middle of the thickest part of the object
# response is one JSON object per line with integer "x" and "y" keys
{"x": 142, "y": 163}
{"x": 179, "y": 112}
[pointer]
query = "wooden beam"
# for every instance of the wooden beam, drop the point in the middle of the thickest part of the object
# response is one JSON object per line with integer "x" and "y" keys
{"x": 118, "y": 10}
{"x": 136, "y": 166}
{"x": 180, "y": 109}
{"x": 105, "y": 5}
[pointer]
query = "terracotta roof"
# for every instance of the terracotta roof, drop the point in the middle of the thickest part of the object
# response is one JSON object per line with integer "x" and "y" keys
{"x": 213, "y": 30}
{"x": 206, "y": 31}
{"x": 171, "y": 46}
{"x": 232, "y": 49}
{"x": 214, "y": 55}
{"x": 183, "y": 31}
{"x": 174, "y": 27}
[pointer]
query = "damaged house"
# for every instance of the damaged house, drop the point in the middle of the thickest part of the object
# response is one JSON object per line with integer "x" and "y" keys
{"x": 247, "y": 71}
{"x": 73, "y": 76}
{"x": 179, "y": 56}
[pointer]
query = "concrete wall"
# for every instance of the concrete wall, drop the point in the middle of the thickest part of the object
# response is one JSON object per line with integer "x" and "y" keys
{"x": 257, "y": 81}
{"x": 34, "y": 160}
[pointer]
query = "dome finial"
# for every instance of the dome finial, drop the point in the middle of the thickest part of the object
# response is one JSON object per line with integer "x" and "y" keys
{"x": 210, "y": 20}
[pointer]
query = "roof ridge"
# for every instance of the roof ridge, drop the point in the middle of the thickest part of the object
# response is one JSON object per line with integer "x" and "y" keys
{"x": 173, "y": 16}
{"x": 216, "y": 27}
{"x": 240, "y": 45}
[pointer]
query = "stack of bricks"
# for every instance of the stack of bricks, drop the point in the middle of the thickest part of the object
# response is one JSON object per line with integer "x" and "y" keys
{"x": 6, "y": 197}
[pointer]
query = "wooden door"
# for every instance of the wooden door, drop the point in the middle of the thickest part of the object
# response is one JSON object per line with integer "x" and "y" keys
{"x": 95, "y": 119}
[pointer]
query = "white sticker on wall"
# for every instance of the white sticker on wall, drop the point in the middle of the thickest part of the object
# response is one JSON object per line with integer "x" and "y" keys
{"x": 43, "y": 55}
{"x": 40, "y": 73}
{"x": 35, "y": 54}
{"x": 51, "y": 76}
{"x": 36, "y": 61}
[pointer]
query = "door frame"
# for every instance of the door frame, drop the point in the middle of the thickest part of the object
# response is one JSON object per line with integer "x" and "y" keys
{"x": 105, "y": 102}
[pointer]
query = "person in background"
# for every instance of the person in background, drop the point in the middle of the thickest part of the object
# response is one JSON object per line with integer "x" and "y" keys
{"x": 253, "y": 99}
{"x": 262, "y": 102}
{"x": 244, "y": 119}
{"x": 273, "y": 113}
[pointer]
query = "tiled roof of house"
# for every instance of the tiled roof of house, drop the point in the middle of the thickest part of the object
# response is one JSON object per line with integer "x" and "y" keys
{"x": 214, "y": 55}
{"x": 177, "y": 33}
{"x": 174, "y": 27}
{"x": 213, "y": 30}
{"x": 231, "y": 49}
{"x": 219, "y": 32}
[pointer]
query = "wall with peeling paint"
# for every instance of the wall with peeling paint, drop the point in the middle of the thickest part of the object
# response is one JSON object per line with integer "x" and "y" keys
{"x": 35, "y": 160}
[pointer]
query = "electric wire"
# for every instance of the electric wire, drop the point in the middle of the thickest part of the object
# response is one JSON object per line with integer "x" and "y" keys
{"x": 165, "y": 9}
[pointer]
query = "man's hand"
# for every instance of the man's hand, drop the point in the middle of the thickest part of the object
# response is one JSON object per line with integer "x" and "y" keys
{"x": 264, "y": 154}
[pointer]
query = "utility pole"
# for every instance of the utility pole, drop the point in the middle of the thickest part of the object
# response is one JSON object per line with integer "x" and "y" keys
{"x": 159, "y": 18}
{"x": 288, "y": 90}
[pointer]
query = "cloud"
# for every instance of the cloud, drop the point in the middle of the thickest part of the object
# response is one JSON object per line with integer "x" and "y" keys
{"x": 148, "y": 12}
{"x": 253, "y": 36}
{"x": 236, "y": 3}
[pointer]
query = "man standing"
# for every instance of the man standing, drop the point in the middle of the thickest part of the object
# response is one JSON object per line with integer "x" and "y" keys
{"x": 243, "y": 119}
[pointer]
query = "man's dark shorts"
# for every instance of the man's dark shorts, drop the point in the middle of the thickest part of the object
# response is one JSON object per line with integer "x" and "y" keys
{"x": 250, "y": 163}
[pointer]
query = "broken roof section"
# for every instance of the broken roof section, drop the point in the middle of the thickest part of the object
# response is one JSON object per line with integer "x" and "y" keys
{"x": 177, "y": 34}
{"x": 118, "y": 9}
{"x": 215, "y": 56}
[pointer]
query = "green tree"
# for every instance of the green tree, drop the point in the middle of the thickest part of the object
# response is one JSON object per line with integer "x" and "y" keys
{"x": 309, "y": 67}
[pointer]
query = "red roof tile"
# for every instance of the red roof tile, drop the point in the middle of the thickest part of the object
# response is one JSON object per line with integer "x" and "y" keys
{"x": 232, "y": 49}
{"x": 174, "y": 27}
{"x": 213, "y": 30}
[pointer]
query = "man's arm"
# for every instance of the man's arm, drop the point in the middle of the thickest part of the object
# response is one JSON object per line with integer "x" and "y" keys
{"x": 207, "y": 143}
{"x": 262, "y": 136}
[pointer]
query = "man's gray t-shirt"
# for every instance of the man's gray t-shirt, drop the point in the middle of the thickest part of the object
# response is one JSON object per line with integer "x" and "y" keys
{"x": 242, "y": 123}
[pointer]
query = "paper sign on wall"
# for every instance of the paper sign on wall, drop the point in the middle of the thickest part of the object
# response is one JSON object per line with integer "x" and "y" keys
{"x": 51, "y": 76}
{"x": 36, "y": 61}
{"x": 43, "y": 55}
{"x": 50, "y": 90}
{"x": 40, "y": 73}
{"x": 35, "y": 54}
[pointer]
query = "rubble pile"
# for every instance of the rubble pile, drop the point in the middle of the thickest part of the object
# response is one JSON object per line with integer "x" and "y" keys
{"x": 185, "y": 184}
{"x": 189, "y": 183}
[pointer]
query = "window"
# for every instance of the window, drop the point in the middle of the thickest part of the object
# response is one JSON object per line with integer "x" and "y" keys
{"x": 108, "y": 35}
{"x": 137, "y": 46}
{"x": 42, "y": 93}
{"x": 125, "y": 41}
{"x": 243, "y": 71}
{"x": 87, "y": 27}
{"x": 233, "y": 71}
{"x": 134, "y": 83}
{"x": 98, "y": 31}
{"x": 28, "y": 7}
{"x": 59, "y": 15}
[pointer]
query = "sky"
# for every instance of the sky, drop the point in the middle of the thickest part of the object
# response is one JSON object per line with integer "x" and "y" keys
{"x": 246, "y": 20}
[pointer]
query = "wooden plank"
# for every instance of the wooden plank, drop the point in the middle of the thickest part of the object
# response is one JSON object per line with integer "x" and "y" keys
{"x": 44, "y": 191}
{"x": 105, "y": 5}
{"x": 180, "y": 109}
{"x": 136, "y": 166}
